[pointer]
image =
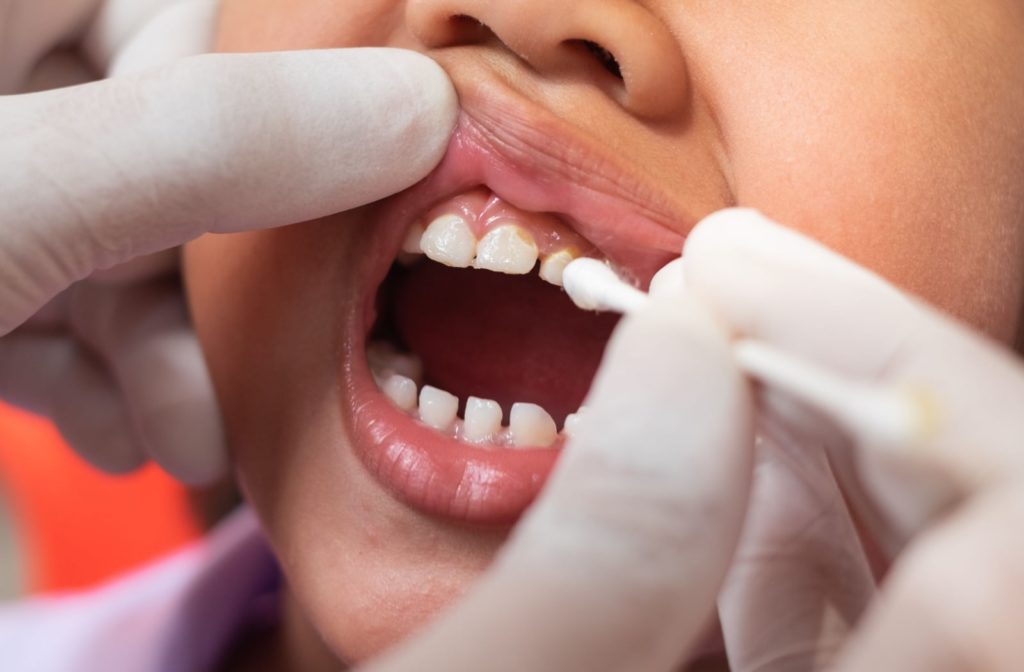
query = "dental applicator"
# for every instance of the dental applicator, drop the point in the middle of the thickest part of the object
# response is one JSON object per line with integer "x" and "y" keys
{"x": 884, "y": 415}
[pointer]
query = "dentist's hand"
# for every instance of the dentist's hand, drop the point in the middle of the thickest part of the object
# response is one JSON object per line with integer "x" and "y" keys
{"x": 101, "y": 174}
{"x": 949, "y": 508}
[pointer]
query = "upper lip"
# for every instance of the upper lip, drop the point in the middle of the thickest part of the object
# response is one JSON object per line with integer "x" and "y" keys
{"x": 538, "y": 162}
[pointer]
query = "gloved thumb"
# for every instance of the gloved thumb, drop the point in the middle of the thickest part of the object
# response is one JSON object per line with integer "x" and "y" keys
{"x": 618, "y": 564}
{"x": 100, "y": 173}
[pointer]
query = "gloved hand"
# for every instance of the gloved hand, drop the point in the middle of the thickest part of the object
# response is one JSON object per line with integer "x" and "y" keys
{"x": 100, "y": 174}
{"x": 947, "y": 506}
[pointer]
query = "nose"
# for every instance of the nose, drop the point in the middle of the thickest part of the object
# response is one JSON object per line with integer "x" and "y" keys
{"x": 617, "y": 45}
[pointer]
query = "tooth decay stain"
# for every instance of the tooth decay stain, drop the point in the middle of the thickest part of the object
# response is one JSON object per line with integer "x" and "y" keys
{"x": 506, "y": 249}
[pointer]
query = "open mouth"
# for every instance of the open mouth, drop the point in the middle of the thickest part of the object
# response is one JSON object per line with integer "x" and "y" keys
{"x": 474, "y": 337}
{"x": 466, "y": 373}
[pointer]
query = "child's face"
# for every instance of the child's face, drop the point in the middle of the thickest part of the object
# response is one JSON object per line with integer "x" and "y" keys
{"x": 892, "y": 130}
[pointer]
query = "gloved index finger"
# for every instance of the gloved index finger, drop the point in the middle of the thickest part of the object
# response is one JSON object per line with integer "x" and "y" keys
{"x": 776, "y": 287}
{"x": 97, "y": 174}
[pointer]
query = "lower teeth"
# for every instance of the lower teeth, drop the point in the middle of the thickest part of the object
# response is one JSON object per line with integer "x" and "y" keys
{"x": 398, "y": 376}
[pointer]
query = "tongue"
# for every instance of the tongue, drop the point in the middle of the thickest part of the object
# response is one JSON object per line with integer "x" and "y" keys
{"x": 510, "y": 338}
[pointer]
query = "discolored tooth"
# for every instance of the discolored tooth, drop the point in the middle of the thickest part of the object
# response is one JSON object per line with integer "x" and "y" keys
{"x": 483, "y": 420}
{"x": 507, "y": 249}
{"x": 553, "y": 265}
{"x": 438, "y": 408}
{"x": 531, "y": 426}
{"x": 402, "y": 391}
{"x": 449, "y": 241}
{"x": 411, "y": 244}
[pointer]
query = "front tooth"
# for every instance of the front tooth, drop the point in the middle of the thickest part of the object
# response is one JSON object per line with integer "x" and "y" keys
{"x": 411, "y": 244}
{"x": 553, "y": 266}
{"x": 531, "y": 426}
{"x": 483, "y": 420}
{"x": 449, "y": 241}
{"x": 438, "y": 408}
{"x": 507, "y": 249}
{"x": 402, "y": 391}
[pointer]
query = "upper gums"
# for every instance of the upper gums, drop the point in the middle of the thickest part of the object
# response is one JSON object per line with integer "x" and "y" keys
{"x": 484, "y": 211}
{"x": 573, "y": 184}
{"x": 478, "y": 229}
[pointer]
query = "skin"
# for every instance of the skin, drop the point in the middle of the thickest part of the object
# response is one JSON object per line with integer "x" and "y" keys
{"x": 890, "y": 131}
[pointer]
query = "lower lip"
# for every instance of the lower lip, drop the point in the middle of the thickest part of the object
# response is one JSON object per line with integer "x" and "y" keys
{"x": 445, "y": 478}
{"x": 433, "y": 473}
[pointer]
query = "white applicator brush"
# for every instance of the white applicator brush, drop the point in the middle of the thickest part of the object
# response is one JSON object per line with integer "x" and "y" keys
{"x": 593, "y": 285}
{"x": 883, "y": 415}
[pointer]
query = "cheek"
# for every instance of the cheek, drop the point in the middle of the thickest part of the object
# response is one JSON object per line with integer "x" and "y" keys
{"x": 263, "y": 305}
{"x": 928, "y": 221}
{"x": 888, "y": 145}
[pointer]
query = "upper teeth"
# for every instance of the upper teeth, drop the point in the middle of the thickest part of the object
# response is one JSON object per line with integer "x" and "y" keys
{"x": 530, "y": 426}
{"x": 507, "y": 248}
{"x": 449, "y": 241}
{"x": 553, "y": 266}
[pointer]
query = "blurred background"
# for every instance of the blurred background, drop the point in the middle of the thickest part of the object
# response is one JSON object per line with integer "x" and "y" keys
{"x": 63, "y": 526}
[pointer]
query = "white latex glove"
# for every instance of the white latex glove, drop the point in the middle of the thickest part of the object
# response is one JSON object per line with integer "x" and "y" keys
{"x": 949, "y": 506}
{"x": 99, "y": 174}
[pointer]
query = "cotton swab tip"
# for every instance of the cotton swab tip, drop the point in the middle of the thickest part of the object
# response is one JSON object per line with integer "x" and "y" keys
{"x": 593, "y": 285}
{"x": 883, "y": 415}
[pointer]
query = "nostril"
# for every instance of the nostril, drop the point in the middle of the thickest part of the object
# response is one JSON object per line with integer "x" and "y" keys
{"x": 467, "y": 29}
{"x": 619, "y": 48}
{"x": 603, "y": 56}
